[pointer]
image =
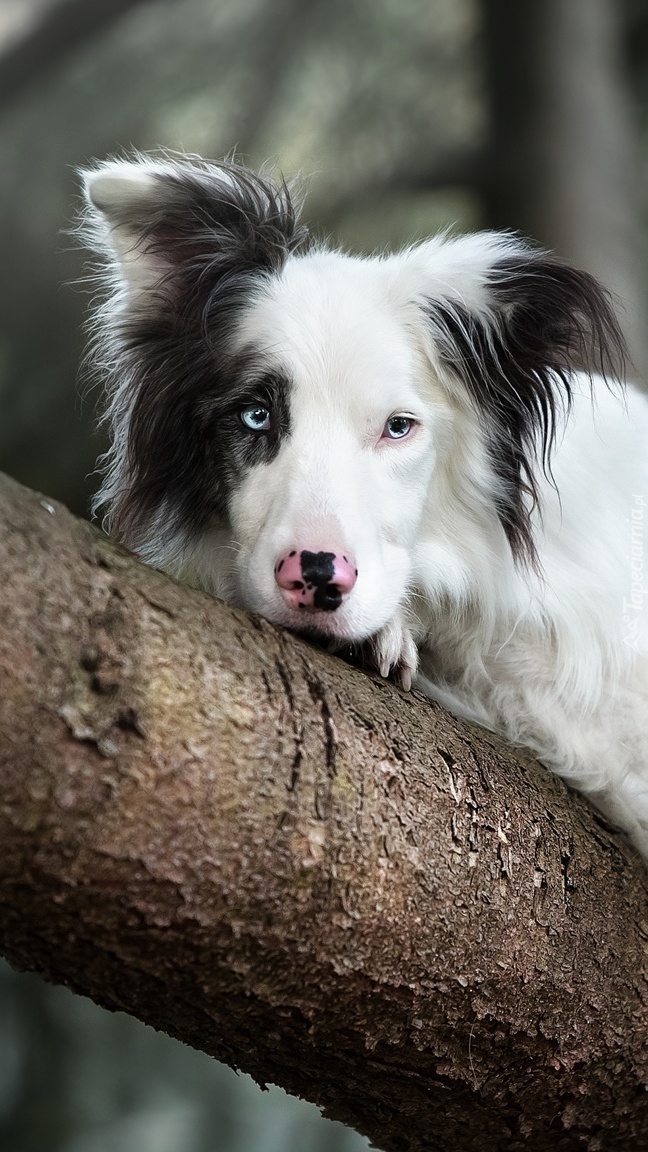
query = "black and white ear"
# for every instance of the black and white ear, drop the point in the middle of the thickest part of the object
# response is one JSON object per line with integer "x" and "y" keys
{"x": 509, "y": 326}
{"x": 183, "y": 244}
{"x": 184, "y": 221}
{"x": 123, "y": 200}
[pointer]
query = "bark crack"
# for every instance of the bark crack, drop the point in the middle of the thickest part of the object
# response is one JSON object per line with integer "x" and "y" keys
{"x": 421, "y": 877}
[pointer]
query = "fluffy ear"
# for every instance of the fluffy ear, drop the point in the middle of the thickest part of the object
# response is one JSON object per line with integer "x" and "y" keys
{"x": 184, "y": 243}
{"x": 510, "y": 325}
{"x": 184, "y": 222}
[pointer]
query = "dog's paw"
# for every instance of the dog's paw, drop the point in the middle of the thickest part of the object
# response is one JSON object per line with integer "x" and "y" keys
{"x": 395, "y": 653}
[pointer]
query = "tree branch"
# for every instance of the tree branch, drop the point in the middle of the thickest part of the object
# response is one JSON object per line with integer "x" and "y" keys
{"x": 276, "y": 858}
{"x": 61, "y": 28}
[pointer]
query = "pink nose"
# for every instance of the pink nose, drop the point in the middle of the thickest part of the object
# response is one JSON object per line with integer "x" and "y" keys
{"x": 315, "y": 579}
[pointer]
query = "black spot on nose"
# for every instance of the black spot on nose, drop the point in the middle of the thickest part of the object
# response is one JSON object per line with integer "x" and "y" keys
{"x": 317, "y": 570}
{"x": 317, "y": 567}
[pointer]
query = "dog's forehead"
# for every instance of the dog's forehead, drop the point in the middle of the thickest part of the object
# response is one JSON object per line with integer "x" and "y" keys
{"x": 335, "y": 319}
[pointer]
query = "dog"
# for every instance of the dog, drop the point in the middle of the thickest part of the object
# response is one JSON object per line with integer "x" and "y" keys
{"x": 423, "y": 454}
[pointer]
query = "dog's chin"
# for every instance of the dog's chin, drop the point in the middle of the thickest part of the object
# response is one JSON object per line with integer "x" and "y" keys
{"x": 325, "y": 628}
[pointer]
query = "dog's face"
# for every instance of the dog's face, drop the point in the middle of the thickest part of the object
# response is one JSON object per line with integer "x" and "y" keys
{"x": 326, "y": 524}
{"x": 288, "y": 427}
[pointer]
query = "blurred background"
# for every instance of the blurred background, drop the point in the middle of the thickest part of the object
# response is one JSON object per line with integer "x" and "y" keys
{"x": 403, "y": 117}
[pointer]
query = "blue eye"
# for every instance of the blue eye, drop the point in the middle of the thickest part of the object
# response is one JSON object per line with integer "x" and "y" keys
{"x": 256, "y": 418}
{"x": 397, "y": 427}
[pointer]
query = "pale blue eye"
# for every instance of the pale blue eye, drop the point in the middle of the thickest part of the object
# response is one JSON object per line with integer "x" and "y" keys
{"x": 256, "y": 418}
{"x": 397, "y": 427}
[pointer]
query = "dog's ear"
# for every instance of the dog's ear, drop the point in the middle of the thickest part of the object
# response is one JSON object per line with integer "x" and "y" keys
{"x": 184, "y": 224}
{"x": 509, "y": 326}
{"x": 183, "y": 243}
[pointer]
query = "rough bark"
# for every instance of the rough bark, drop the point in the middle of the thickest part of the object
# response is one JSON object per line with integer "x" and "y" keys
{"x": 292, "y": 865}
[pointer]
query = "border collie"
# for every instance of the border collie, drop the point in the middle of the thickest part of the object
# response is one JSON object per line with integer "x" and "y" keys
{"x": 416, "y": 452}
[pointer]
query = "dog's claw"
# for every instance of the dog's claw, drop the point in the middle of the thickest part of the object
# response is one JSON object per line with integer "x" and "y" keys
{"x": 395, "y": 653}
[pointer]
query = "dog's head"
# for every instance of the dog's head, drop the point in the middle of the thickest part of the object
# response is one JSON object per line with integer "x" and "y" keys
{"x": 290, "y": 425}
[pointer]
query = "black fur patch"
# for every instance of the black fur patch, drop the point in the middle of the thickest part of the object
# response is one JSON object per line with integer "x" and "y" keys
{"x": 548, "y": 321}
{"x": 187, "y": 446}
{"x": 215, "y": 234}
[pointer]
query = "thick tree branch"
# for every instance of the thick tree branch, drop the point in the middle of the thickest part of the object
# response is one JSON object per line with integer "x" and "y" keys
{"x": 249, "y": 844}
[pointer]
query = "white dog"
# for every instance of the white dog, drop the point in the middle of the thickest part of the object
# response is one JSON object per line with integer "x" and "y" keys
{"x": 417, "y": 451}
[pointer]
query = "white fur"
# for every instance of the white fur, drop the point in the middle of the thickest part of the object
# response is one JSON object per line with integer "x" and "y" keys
{"x": 554, "y": 657}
